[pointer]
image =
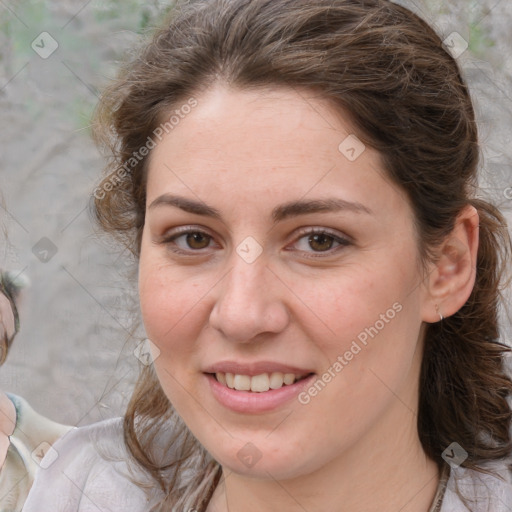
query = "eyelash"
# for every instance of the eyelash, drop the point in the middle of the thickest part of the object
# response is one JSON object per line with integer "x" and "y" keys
{"x": 303, "y": 233}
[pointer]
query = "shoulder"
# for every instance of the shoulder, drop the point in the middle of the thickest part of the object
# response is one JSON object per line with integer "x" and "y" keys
{"x": 89, "y": 469}
{"x": 470, "y": 490}
{"x": 33, "y": 435}
{"x": 33, "y": 430}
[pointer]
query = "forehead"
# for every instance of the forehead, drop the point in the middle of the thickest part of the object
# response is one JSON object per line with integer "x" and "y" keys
{"x": 260, "y": 119}
{"x": 263, "y": 144}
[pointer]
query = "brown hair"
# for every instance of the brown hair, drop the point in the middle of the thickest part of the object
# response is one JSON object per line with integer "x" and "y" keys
{"x": 389, "y": 70}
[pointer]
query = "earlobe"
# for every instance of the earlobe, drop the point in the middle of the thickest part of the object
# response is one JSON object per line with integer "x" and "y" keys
{"x": 452, "y": 276}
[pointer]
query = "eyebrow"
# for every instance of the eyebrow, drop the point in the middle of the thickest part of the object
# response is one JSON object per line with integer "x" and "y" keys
{"x": 279, "y": 213}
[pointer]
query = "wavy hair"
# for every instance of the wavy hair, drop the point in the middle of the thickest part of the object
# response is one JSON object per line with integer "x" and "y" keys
{"x": 406, "y": 98}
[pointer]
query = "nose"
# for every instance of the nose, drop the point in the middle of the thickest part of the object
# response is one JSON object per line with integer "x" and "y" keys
{"x": 249, "y": 302}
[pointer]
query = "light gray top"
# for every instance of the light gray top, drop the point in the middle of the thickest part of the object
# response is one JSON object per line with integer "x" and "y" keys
{"x": 93, "y": 473}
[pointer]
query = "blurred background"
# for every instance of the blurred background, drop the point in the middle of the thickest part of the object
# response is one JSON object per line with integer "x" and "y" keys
{"x": 74, "y": 358}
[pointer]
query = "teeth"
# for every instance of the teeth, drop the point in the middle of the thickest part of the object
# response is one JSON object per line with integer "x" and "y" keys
{"x": 289, "y": 378}
{"x": 258, "y": 383}
{"x": 276, "y": 380}
{"x": 242, "y": 382}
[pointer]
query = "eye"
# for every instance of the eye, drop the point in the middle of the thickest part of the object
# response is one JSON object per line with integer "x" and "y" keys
{"x": 188, "y": 240}
{"x": 315, "y": 241}
{"x": 320, "y": 240}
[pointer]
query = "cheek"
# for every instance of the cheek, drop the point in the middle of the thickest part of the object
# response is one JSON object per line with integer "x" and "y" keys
{"x": 169, "y": 310}
{"x": 354, "y": 302}
{"x": 166, "y": 302}
{"x": 175, "y": 305}
{"x": 372, "y": 317}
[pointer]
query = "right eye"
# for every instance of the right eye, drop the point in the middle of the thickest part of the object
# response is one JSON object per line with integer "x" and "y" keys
{"x": 188, "y": 241}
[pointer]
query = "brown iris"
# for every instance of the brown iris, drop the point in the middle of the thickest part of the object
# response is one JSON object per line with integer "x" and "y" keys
{"x": 322, "y": 241}
{"x": 197, "y": 240}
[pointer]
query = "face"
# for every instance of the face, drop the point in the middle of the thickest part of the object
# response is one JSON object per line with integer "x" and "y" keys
{"x": 7, "y": 321}
{"x": 279, "y": 280}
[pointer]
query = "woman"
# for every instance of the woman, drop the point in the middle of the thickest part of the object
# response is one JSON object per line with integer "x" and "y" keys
{"x": 317, "y": 278}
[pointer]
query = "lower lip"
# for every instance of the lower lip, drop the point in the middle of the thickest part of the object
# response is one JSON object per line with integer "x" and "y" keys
{"x": 252, "y": 402}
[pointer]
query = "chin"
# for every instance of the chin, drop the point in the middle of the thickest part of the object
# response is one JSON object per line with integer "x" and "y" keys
{"x": 262, "y": 460}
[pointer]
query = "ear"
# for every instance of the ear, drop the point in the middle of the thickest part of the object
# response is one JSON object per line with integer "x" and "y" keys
{"x": 451, "y": 278}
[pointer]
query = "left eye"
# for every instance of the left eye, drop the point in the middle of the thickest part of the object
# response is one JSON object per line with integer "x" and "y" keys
{"x": 320, "y": 241}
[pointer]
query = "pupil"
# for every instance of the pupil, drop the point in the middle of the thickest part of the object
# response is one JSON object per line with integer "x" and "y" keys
{"x": 197, "y": 240}
{"x": 323, "y": 242}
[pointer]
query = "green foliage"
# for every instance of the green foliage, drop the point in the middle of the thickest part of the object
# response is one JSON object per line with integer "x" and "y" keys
{"x": 480, "y": 40}
{"x": 137, "y": 14}
{"x": 91, "y": 37}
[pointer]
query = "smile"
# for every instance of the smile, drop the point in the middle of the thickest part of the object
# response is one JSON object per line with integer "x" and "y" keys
{"x": 252, "y": 390}
{"x": 257, "y": 383}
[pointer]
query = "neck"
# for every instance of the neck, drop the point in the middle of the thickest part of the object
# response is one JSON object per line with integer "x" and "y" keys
{"x": 380, "y": 474}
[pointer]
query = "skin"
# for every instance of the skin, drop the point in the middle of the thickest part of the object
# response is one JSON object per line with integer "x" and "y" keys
{"x": 7, "y": 410}
{"x": 354, "y": 446}
{"x": 7, "y": 321}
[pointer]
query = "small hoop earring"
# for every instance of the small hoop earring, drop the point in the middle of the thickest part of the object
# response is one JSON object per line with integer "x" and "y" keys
{"x": 439, "y": 313}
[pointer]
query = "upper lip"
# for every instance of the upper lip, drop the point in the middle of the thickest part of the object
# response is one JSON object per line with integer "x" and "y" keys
{"x": 256, "y": 368}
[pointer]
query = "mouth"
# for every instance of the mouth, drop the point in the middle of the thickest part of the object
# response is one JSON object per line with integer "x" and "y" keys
{"x": 256, "y": 387}
{"x": 258, "y": 383}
